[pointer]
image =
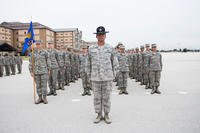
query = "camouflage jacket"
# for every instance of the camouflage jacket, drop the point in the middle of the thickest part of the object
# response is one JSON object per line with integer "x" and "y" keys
{"x": 19, "y": 60}
{"x": 102, "y": 63}
{"x": 53, "y": 57}
{"x": 41, "y": 61}
{"x": 7, "y": 60}
{"x": 155, "y": 61}
{"x": 61, "y": 57}
{"x": 146, "y": 58}
{"x": 67, "y": 59}
{"x": 13, "y": 60}
{"x": 83, "y": 63}
{"x": 123, "y": 62}
{"x": 2, "y": 61}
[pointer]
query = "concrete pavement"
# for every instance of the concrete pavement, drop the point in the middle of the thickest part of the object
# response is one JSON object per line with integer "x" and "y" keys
{"x": 176, "y": 110}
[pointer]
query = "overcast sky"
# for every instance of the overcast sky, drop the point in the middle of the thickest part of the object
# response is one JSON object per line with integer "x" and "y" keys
{"x": 169, "y": 23}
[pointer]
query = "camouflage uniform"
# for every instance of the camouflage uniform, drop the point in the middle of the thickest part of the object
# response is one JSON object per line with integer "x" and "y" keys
{"x": 117, "y": 54}
{"x": 146, "y": 69}
{"x": 1, "y": 65}
{"x": 123, "y": 72}
{"x": 83, "y": 73}
{"x": 19, "y": 62}
{"x": 102, "y": 67}
{"x": 61, "y": 71}
{"x": 130, "y": 65}
{"x": 76, "y": 63}
{"x": 155, "y": 68}
{"x": 7, "y": 65}
{"x": 40, "y": 71}
{"x": 72, "y": 66}
{"x": 137, "y": 66}
{"x": 134, "y": 64}
{"x": 53, "y": 76}
{"x": 13, "y": 64}
{"x": 67, "y": 68}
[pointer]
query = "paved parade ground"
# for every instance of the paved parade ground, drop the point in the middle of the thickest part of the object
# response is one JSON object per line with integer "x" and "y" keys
{"x": 176, "y": 110}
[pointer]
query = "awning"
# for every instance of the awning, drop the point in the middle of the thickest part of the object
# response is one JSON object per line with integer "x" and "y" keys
{"x": 6, "y": 47}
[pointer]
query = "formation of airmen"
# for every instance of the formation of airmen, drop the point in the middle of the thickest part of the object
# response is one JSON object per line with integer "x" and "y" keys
{"x": 62, "y": 66}
{"x": 9, "y": 63}
{"x": 98, "y": 66}
{"x": 144, "y": 65}
{"x": 57, "y": 67}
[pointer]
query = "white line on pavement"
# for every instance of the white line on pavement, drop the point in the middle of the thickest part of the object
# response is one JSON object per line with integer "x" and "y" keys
{"x": 114, "y": 93}
{"x": 76, "y": 100}
{"x": 182, "y": 92}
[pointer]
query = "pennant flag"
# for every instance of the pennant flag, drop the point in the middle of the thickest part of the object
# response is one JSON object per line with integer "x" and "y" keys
{"x": 29, "y": 39}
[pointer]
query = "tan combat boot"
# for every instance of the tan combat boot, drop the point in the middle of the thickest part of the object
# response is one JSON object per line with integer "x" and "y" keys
{"x": 39, "y": 100}
{"x": 45, "y": 99}
{"x": 157, "y": 91}
{"x": 153, "y": 90}
{"x": 98, "y": 118}
{"x": 107, "y": 119}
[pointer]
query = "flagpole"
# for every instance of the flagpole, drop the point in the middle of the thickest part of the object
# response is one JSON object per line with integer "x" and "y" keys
{"x": 33, "y": 65}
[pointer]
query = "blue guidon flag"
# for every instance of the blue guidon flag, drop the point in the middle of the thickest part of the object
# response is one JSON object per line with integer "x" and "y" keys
{"x": 29, "y": 39}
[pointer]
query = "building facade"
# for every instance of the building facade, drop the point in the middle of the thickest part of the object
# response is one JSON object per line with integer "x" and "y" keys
{"x": 14, "y": 34}
{"x": 70, "y": 37}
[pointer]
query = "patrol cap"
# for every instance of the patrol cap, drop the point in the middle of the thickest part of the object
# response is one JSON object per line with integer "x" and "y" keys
{"x": 136, "y": 48}
{"x": 122, "y": 46}
{"x": 119, "y": 44}
{"x": 84, "y": 46}
{"x": 147, "y": 45}
{"x": 50, "y": 43}
{"x": 153, "y": 45}
{"x": 101, "y": 30}
{"x": 141, "y": 47}
{"x": 70, "y": 47}
{"x": 38, "y": 42}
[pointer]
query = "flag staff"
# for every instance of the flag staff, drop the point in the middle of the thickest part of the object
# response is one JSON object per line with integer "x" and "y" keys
{"x": 33, "y": 65}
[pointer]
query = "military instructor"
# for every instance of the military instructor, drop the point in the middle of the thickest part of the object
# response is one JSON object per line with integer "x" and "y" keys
{"x": 102, "y": 67}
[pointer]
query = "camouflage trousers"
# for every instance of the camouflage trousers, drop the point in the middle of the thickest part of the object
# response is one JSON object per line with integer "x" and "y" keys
{"x": 61, "y": 75}
{"x": 77, "y": 72}
{"x": 122, "y": 79}
{"x": 13, "y": 68}
{"x": 19, "y": 68}
{"x": 134, "y": 72}
{"x": 53, "y": 79}
{"x": 154, "y": 78}
{"x": 1, "y": 70}
{"x": 131, "y": 71}
{"x": 85, "y": 80}
{"x": 72, "y": 74}
{"x": 41, "y": 84}
{"x": 102, "y": 90}
{"x": 146, "y": 76}
{"x": 7, "y": 68}
{"x": 67, "y": 75}
{"x": 140, "y": 74}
